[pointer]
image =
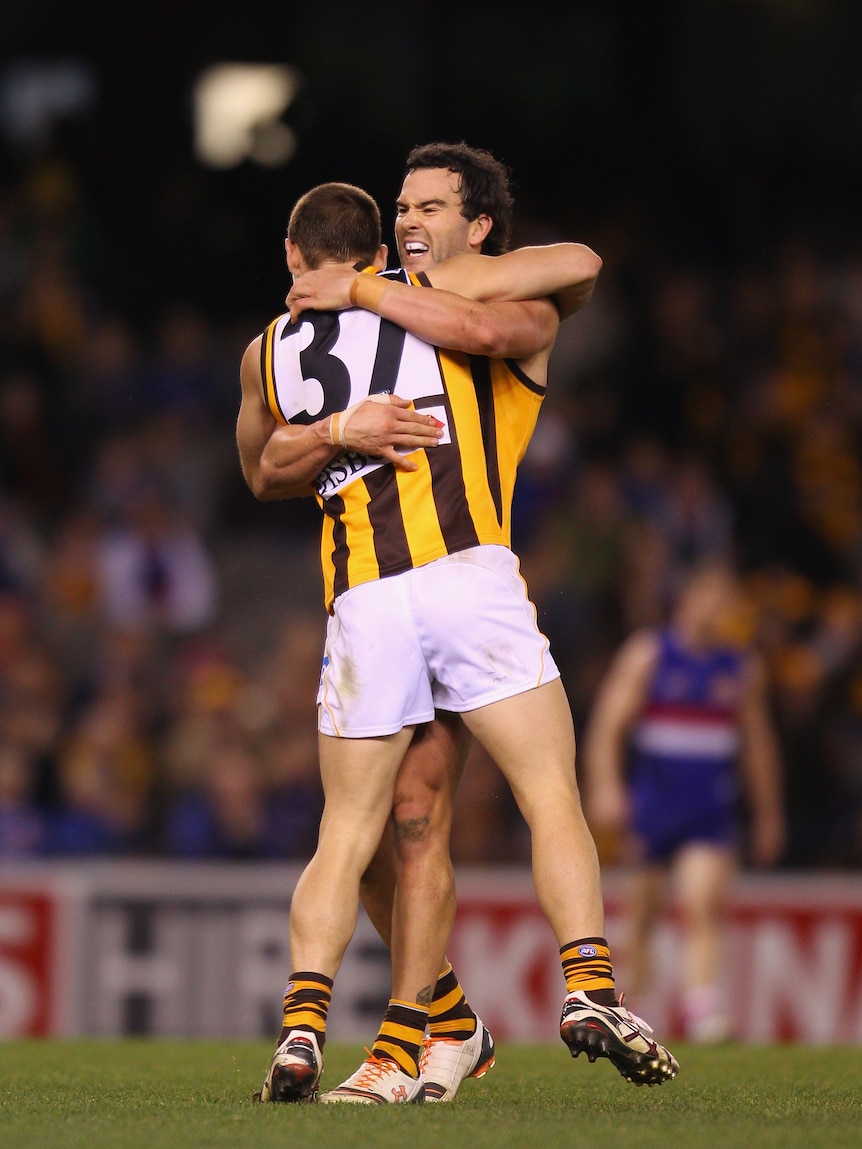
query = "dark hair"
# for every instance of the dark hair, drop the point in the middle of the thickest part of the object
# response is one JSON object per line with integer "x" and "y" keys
{"x": 335, "y": 221}
{"x": 484, "y": 186}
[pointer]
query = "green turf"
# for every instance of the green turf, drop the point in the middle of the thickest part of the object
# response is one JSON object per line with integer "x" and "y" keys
{"x": 162, "y": 1095}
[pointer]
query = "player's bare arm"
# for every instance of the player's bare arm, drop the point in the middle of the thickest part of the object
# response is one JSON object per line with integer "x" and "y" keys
{"x": 524, "y": 331}
{"x": 510, "y": 330}
{"x": 282, "y": 461}
{"x": 464, "y": 316}
{"x": 616, "y": 707}
{"x": 566, "y": 271}
{"x": 285, "y": 468}
{"x": 518, "y": 330}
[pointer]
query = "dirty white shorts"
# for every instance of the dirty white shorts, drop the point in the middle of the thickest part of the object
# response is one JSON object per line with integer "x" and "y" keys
{"x": 455, "y": 634}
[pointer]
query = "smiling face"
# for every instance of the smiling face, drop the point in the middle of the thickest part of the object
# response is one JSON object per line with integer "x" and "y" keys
{"x": 429, "y": 224}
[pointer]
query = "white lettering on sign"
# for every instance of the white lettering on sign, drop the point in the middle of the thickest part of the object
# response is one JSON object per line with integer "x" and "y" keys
{"x": 19, "y": 986}
{"x": 802, "y": 984}
{"x": 510, "y": 971}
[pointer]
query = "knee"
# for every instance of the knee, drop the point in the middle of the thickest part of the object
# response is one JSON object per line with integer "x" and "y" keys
{"x": 422, "y": 804}
{"x": 420, "y": 827}
{"x": 421, "y": 823}
{"x": 702, "y": 912}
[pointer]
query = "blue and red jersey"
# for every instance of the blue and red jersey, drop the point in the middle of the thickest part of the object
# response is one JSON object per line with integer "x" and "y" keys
{"x": 684, "y": 747}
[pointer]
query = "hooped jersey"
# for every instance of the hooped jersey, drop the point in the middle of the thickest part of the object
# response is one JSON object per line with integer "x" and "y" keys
{"x": 379, "y": 521}
{"x": 691, "y": 716}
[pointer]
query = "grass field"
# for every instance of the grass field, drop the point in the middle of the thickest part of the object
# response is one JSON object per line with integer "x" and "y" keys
{"x": 176, "y": 1095}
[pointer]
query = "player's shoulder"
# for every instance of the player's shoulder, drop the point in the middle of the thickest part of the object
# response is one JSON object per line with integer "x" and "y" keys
{"x": 252, "y": 351}
{"x": 641, "y": 650}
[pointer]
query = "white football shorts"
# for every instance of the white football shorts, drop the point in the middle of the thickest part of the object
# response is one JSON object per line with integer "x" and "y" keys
{"x": 455, "y": 634}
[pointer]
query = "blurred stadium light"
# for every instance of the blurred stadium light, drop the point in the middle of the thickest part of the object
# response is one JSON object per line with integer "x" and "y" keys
{"x": 236, "y": 114}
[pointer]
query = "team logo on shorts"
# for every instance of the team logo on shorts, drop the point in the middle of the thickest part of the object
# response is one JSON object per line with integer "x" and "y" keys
{"x": 587, "y": 951}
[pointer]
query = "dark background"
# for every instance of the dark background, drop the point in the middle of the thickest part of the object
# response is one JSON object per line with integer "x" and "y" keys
{"x": 720, "y": 121}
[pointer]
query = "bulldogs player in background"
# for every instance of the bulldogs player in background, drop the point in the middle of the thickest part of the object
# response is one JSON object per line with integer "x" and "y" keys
{"x": 680, "y": 733}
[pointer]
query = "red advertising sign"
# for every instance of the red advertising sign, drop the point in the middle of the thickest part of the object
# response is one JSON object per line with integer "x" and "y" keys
{"x": 27, "y": 956}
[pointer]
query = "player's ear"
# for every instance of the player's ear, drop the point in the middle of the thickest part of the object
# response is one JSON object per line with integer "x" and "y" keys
{"x": 479, "y": 230}
{"x": 296, "y": 264}
{"x": 381, "y": 258}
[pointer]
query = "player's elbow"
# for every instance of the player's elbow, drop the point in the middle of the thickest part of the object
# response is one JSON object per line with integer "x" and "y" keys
{"x": 266, "y": 484}
{"x": 589, "y": 264}
{"x": 261, "y": 491}
{"x": 594, "y": 264}
{"x": 272, "y": 483}
{"x": 253, "y": 480}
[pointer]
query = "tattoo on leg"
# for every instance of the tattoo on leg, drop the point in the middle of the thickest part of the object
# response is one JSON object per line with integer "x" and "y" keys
{"x": 423, "y": 997}
{"x": 411, "y": 830}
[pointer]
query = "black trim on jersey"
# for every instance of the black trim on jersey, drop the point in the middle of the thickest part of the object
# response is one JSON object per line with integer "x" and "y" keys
{"x": 518, "y": 372}
{"x": 391, "y": 547}
{"x": 480, "y": 368}
{"x": 447, "y": 482}
{"x": 423, "y": 279}
{"x": 340, "y": 549}
{"x": 266, "y": 340}
{"x": 390, "y": 346}
{"x": 450, "y": 500}
{"x": 267, "y": 353}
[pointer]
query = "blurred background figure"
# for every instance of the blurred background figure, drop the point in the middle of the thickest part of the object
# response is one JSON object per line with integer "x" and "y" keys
{"x": 238, "y": 751}
{"x": 227, "y": 814}
{"x": 22, "y": 823}
{"x": 679, "y": 745}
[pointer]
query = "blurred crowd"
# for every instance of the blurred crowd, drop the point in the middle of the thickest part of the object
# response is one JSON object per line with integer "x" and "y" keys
{"x": 161, "y": 633}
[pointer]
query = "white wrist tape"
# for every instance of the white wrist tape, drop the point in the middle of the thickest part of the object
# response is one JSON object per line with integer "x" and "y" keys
{"x": 338, "y": 422}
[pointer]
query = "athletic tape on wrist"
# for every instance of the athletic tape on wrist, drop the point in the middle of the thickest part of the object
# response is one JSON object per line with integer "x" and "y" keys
{"x": 366, "y": 291}
{"x": 338, "y": 422}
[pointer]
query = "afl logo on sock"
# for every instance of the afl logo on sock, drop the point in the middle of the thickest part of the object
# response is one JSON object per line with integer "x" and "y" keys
{"x": 587, "y": 951}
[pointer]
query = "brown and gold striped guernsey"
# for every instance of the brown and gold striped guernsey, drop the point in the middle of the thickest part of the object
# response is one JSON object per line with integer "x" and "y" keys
{"x": 379, "y": 521}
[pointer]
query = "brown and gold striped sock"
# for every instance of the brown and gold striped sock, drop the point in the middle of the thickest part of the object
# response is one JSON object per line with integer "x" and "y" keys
{"x": 449, "y": 1014}
{"x": 306, "y": 1004}
{"x": 401, "y": 1034}
{"x": 587, "y": 967}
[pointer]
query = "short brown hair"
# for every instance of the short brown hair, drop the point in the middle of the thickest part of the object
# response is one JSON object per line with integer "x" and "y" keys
{"x": 335, "y": 221}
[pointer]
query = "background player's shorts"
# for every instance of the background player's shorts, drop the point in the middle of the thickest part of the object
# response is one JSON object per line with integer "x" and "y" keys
{"x": 676, "y": 804}
{"x": 456, "y": 634}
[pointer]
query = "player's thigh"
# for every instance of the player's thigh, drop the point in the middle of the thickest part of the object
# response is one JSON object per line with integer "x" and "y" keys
{"x": 702, "y": 876}
{"x": 531, "y": 738}
{"x": 374, "y": 679}
{"x": 434, "y": 763}
{"x": 358, "y": 776}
